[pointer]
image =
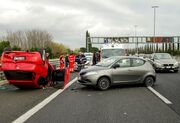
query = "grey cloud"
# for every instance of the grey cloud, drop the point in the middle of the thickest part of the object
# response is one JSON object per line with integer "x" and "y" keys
{"x": 71, "y": 18}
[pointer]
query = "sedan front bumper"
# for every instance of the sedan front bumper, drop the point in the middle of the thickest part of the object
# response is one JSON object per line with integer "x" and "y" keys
{"x": 87, "y": 80}
{"x": 168, "y": 68}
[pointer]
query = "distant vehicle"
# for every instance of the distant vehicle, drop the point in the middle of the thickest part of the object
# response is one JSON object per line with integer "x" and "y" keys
{"x": 118, "y": 70}
{"x": 164, "y": 62}
{"x": 89, "y": 57}
{"x": 140, "y": 55}
{"x": 147, "y": 56}
{"x": 109, "y": 50}
{"x": 88, "y": 54}
{"x": 80, "y": 62}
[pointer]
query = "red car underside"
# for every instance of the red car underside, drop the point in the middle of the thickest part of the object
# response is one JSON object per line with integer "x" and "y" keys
{"x": 26, "y": 69}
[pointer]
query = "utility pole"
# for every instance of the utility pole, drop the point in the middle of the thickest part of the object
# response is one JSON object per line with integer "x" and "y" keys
{"x": 135, "y": 26}
{"x": 154, "y": 30}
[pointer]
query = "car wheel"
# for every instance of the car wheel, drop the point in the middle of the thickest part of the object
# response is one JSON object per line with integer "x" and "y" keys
{"x": 103, "y": 83}
{"x": 149, "y": 81}
{"x": 175, "y": 71}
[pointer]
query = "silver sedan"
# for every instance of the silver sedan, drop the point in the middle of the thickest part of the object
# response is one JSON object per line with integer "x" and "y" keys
{"x": 164, "y": 62}
{"x": 118, "y": 70}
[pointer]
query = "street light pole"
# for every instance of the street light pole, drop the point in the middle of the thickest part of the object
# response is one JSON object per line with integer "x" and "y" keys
{"x": 154, "y": 32}
{"x": 135, "y": 26}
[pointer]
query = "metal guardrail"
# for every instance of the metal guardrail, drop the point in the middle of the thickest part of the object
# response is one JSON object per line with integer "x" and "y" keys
{"x": 53, "y": 62}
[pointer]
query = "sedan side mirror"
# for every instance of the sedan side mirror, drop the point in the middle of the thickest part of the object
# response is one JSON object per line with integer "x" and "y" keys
{"x": 116, "y": 66}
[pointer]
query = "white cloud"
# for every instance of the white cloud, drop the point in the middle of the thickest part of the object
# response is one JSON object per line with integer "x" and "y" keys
{"x": 68, "y": 20}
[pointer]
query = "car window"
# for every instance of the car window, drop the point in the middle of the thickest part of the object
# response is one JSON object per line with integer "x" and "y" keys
{"x": 124, "y": 63}
{"x": 137, "y": 62}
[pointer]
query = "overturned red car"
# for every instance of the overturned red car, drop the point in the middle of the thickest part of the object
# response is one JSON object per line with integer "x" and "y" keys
{"x": 31, "y": 69}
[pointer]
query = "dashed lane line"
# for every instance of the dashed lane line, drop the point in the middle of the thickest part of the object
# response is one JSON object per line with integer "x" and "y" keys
{"x": 39, "y": 106}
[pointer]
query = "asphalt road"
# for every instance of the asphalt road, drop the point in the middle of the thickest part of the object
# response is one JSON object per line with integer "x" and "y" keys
{"x": 169, "y": 86}
{"x": 79, "y": 104}
{"x": 126, "y": 104}
{"x": 15, "y": 102}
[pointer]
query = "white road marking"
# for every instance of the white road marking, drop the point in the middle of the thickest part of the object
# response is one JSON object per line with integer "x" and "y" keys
{"x": 39, "y": 106}
{"x": 160, "y": 96}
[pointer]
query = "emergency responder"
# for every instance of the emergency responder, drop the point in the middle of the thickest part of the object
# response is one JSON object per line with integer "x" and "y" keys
{"x": 71, "y": 59}
{"x": 66, "y": 61}
{"x": 61, "y": 59}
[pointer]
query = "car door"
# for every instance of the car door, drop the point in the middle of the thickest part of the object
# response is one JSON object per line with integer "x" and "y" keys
{"x": 121, "y": 74}
{"x": 137, "y": 69}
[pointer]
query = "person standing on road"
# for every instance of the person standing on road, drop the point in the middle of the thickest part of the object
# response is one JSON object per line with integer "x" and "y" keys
{"x": 66, "y": 60}
{"x": 94, "y": 58}
{"x": 71, "y": 59}
{"x": 61, "y": 60}
{"x": 99, "y": 56}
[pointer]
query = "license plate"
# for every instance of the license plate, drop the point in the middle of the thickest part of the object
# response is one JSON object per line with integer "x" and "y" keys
{"x": 19, "y": 58}
{"x": 168, "y": 67}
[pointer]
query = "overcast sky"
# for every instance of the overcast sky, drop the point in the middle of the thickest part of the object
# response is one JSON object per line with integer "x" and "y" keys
{"x": 68, "y": 20}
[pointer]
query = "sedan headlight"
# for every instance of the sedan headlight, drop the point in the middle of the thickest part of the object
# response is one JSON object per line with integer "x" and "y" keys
{"x": 90, "y": 73}
{"x": 158, "y": 65}
{"x": 176, "y": 64}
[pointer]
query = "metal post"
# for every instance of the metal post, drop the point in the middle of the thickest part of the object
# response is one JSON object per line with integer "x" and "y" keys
{"x": 154, "y": 32}
{"x": 135, "y": 26}
{"x": 87, "y": 44}
{"x": 178, "y": 47}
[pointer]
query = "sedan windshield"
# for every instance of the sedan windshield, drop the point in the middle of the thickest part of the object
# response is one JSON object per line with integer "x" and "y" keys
{"x": 107, "y": 62}
{"x": 162, "y": 56}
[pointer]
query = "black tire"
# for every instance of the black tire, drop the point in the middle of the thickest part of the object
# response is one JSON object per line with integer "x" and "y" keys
{"x": 149, "y": 81}
{"x": 42, "y": 81}
{"x": 175, "y": 71}
{"x": 103, "y": 83}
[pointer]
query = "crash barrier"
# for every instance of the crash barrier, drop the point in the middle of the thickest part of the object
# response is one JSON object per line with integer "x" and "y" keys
{"x": 53, "y": 62}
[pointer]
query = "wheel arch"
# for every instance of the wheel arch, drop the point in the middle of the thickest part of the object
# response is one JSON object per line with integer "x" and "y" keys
{"x": 154, "y": 78}
{"x": 105, "y": 77}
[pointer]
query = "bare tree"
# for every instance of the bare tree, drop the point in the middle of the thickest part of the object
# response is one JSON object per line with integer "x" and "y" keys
{"x": 29, "y": 39}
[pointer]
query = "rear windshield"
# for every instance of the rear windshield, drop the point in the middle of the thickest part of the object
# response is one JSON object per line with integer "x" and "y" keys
{"x": 106, "y": 53}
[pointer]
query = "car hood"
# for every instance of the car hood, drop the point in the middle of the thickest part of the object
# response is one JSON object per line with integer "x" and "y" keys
{"x": 166, "y": 61}
{"x": 93, "y": 68}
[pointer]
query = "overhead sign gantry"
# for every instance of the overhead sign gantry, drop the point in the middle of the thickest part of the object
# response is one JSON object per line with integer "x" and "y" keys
{"x": 136, "y": 40}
